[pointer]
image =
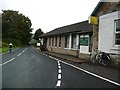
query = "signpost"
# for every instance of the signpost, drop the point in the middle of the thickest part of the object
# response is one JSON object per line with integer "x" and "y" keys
{"x": 94, "y": 20}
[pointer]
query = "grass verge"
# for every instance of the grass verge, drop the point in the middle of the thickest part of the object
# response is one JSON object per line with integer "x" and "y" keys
{"x": 6, "y": 49}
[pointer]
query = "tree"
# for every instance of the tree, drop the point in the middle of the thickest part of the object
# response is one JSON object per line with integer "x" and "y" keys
{"x": 15, "y": 25}
{"x": 38, "y": 33}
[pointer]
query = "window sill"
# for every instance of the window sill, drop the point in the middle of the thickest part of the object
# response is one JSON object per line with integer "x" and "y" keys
{"x": 116, "y": 48}
{"x": 74, "y": 49}
{"x": 67, "y": 48}
{"x": 71, "y": 49}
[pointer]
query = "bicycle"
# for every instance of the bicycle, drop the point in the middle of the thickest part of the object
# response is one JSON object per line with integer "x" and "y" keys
{"x": 102, "y": 58}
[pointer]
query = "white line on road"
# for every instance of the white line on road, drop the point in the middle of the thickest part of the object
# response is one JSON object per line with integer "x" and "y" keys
{"x": 12, "y": 58}
{"x": 59, "y": 76}
{"x": 19, "y": 54}
{"x": 58, "y": 63}
{"x": 50, "y": 57}
{"x": 8, "y": 61}
{"x": 25, "y": 49}
{"x": 92, "y": 74}
{"x": 58, "y": 83}
{"x": 22, "y": 52}
{"x": 108, "y": 80}
{"x": 59, "y": 71}
{"x": 59, "y": 67}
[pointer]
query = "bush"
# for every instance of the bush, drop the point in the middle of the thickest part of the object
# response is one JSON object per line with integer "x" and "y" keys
{"x": 13, "y": 41}
{"x": 4, "y": 44}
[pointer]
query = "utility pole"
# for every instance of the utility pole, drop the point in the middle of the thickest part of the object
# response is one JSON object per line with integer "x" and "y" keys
{"x": 94, "y": 20}
{"x": 95, "y": 40}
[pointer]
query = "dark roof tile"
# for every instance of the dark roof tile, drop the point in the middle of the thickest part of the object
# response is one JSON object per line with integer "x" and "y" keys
{"x": 81, "y": 27}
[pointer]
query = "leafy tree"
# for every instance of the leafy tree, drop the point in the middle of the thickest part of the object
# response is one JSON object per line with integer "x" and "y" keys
{"x": 38, "y": 33}
{"x": 15, "y": 25}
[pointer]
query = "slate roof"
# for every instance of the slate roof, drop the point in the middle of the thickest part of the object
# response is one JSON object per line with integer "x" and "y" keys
{"x": 81, "y": 27}
{"x": 98, "y": 6}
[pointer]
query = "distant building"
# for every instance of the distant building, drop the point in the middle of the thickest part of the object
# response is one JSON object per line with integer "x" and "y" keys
{"x": 75, "y": 39}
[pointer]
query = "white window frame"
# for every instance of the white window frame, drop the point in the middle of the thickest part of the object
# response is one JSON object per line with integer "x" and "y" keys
{"x": 67, "y": 42}
{"x": 59, "y": 41}
{"x": 49, "y": 41}
{"x": 52, "y": 41}
{"x": 56, "y": 41}
{"x": 116, "y": 33}
{"x": 74, "y": 42}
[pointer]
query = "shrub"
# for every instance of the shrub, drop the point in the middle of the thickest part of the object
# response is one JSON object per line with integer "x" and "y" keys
{"x": 13, "y": 41}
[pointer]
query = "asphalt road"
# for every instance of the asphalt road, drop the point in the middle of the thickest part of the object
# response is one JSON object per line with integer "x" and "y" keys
{"x": 27, "y": 68}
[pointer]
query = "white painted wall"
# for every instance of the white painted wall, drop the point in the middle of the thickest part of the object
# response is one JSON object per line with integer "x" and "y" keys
{"x": 107, "y": 33}
{"x": 84, "y": 49}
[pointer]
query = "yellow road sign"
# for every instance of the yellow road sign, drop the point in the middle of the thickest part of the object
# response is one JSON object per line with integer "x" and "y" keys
{"x": 93, "y": 20}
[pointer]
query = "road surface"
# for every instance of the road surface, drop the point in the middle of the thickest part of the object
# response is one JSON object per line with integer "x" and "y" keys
{"x": 27, "y": 68}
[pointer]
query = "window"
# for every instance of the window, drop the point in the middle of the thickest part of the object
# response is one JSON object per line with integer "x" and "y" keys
{"x": 117, "y": 32}
{"x": 74, "y": 41}
{"x": 49, "y": 41}
{"x": 67, "y": 41}
{"x": 52, "y": 41}
{"x": 59, "y": 41}
{"x": 56, "y": 41}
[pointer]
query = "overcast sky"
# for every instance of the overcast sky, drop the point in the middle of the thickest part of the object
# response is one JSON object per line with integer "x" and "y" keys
{"x": 51, "y": 14}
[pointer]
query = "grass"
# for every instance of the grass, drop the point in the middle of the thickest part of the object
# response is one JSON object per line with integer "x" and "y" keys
{"x": 6, "y": 49}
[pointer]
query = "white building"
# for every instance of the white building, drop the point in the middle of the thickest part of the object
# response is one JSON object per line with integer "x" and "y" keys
{"x": 109, "y": 33}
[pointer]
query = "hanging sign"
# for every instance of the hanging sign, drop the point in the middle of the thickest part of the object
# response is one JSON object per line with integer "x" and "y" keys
{"x": 93, "y": 20}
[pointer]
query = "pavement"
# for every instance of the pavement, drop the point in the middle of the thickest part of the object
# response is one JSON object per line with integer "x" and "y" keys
{"x": 111, "y": 72}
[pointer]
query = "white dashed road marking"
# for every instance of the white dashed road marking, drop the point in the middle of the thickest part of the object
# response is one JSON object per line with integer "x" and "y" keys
{"x": 8, "y": 61}
{"x": 59, "y": 76}
{"x": 59, "y": 67}
{"x": 108, "y": 80}
{"x": 58, "y": 83}
{"x": 59, "y": 71}
{"x": 19, "y": 54}
{"x": 13, "y": 58}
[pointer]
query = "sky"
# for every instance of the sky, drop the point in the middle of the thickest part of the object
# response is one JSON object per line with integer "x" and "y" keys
{"x": 51, "y": 14}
